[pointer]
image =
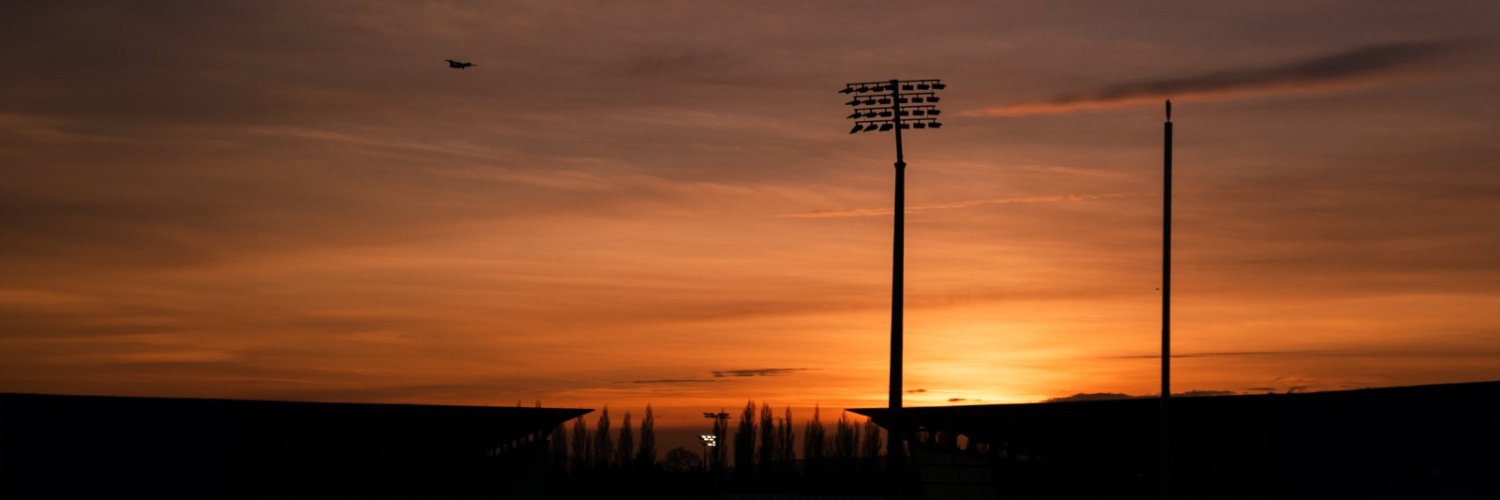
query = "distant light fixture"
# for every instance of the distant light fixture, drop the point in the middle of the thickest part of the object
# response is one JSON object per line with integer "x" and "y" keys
{"x": 923, "y": 86}
{"x": 907, "y": 87}
{"x": 846, "y": 90}
{"x": 939, "y": 86}
{"x": 856, "y": 114}
{"x": 934, "y": 111}
{"x": 870, "y": 127}
{"x": 919, "y": 125}
{"x": 884, "y": 100}
{"x": 886, "y": 126}
{"x": 856, "y": 128}
{"x": 852, "y": 103}
{"x": 934, "y": 125}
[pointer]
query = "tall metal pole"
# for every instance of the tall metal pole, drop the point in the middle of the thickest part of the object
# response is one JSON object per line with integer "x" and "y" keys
{"x": 870, "y": 112}
{"x": 893, "y": 444}
{"x": 898, "y": 255}
{"x": 1166, "y": 308}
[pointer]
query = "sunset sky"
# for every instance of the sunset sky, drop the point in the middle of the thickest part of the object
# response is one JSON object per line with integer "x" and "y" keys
{"x": 626, "y": 203}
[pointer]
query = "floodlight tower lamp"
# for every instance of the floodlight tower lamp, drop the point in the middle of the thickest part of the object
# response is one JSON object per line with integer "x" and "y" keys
{"x": 893, "y": 107}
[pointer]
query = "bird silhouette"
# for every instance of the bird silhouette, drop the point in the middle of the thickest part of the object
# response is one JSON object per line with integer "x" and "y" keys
{"x": 457, "y": 64}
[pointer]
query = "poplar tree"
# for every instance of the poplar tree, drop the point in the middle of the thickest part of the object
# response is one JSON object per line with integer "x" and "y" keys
{"x": 625, "y": 451}
{"x": 786, "y": 441}
{"x": 558, "y": 446}
{"x": 581, "y": 445}
{"x": 646, "y": 455}
{"x": 845, "y": 439}
{"x": 813, "y": 439}
{"x": 744, "y": 441}
{"x": 604, "y": 445}
{"x": 870, "y": 445}
{"x": 767, "y": 450}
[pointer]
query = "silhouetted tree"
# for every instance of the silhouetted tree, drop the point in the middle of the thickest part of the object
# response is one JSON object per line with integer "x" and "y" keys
{"x": 604, "y": 444}
{"x": 870, "y": 444}
{"x": 845, "y": 440}
{"x": 681, "y": 459}
{"x": 786, "y": 442}
{"x": 582, "y": 445}
{"x": 813, "y": 439}
{"x": 744, "y": 441}
{"x": 625, "y": 453}
{"x": 767, "y": 450}
{"x": 646, "y": 455}
{"x": 558, "y": 446}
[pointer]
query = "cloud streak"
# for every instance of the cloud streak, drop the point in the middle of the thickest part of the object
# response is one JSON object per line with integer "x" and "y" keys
{"x": 757, "y": 372}
{"x": 1230, "y": 354}
{"x": 880, "y": 212}
{"x": 1358, "y": 66}
{"x": 676, "y": 381}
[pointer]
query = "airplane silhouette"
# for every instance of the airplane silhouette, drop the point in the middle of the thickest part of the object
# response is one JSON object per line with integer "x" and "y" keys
{"x": 458, "y": 65}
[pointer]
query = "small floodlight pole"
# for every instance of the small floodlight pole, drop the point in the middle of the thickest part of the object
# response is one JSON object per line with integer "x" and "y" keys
{"x": 1166, "y": 308}
{"x": 711, "y": 442}
{"x": 881, "y": 108}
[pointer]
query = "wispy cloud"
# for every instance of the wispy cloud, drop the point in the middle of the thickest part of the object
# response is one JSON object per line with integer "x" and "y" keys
{"x": 1352, "y": 67}
{"x": 876, "y": 212}
{"x": 1231, "y": 354}
{"x": 676, "y": 381}
{"x": 757, "y": 372}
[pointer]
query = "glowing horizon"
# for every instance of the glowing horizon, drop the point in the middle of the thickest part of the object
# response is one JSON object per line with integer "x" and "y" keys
{"x": 621, "y": 206}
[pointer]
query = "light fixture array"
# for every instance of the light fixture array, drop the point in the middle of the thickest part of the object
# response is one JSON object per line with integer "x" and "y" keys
{"x": 884, "y": 106}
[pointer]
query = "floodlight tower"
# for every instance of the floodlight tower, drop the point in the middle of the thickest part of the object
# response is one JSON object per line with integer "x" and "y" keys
{"x": 1166, "y": 307}
{"x": 895, "y": 105}
{"x": 713, "y": 453}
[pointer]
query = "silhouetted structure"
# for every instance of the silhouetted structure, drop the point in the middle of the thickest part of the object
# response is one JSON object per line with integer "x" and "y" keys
{"x": 1166, "y": 308}
{"x": 458, "y": 64}
{"x": 113, "y": 447}
{"x": 881, "y": 106}
{"x": 1434, "y": 441}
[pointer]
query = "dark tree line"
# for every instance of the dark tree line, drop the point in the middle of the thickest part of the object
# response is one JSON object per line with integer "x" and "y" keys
{"x": 763, "y": 444}
{"x": 766, "y": 444}
{"x": 597, "y": 449}
{"x": 765, "y": 454}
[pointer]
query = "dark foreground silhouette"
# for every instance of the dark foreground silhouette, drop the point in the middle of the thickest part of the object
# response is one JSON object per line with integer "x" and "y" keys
{"x": 1435, "y": 441}
{"x": 114, "y": 447}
